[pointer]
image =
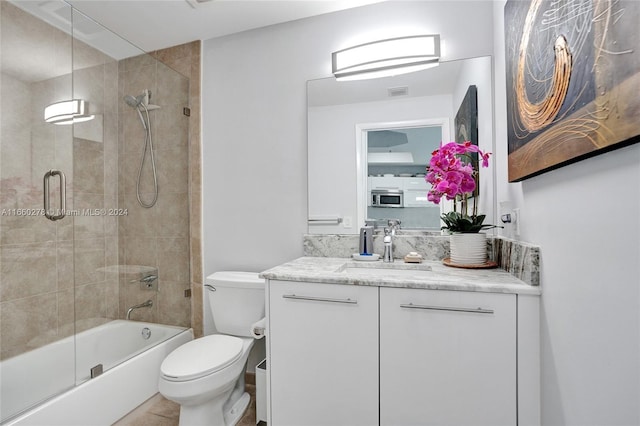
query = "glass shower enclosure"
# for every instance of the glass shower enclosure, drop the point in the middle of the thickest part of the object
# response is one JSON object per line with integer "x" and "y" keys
{"x": 70, "y": 147}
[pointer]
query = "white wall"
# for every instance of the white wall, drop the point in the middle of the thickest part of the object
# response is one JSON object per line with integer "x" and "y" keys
{"x": 585, "y": 217}
{"x": 254, "y": 118}
{"x": 478, "y": 72}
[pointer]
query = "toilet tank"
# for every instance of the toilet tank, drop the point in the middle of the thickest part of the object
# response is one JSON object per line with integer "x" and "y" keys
{"x": 236, "y": 300}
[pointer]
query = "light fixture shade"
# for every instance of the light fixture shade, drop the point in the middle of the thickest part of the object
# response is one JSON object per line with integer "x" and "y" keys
{"x": 67, "y": 112}
{"x": 387, "y": 57}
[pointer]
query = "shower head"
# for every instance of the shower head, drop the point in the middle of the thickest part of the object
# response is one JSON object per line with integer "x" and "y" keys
{"x": 136, "y": 103}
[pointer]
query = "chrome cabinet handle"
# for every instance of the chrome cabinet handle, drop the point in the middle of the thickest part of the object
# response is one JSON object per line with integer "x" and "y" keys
{"x": 63, "y": 195}
{"x": 448, "y": 308}
{"x": 319, "y": 299}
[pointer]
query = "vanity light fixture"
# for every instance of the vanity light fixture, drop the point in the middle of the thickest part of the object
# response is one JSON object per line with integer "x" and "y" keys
{"x": 67, "y": 112}
{"x": 387, "y": 57}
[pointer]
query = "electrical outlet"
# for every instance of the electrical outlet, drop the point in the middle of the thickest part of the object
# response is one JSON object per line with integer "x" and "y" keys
{"x": 347, "y": 222}
{"x": 516, "y": 221}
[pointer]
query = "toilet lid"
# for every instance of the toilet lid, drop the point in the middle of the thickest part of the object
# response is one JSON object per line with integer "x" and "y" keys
{"x": 201, "y": 357}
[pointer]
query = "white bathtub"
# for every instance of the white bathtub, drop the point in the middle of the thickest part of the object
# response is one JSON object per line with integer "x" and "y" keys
{"x": 32, "y": 377}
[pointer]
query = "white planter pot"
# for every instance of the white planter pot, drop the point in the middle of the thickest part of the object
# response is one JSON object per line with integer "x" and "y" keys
{"x": 468, "y": 249}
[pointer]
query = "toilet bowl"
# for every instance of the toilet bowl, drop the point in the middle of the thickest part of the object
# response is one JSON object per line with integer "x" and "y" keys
{"x": 206, "y": 376}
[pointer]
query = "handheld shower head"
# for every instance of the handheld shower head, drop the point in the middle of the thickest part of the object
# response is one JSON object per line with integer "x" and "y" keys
{"x": 136, "y": 103}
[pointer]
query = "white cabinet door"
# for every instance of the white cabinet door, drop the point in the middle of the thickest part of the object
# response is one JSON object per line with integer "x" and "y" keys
{"x": 415, "y": 183}
{"x": 386, "y": 182}
{"x": 323, "y": 354}
{"x": 443, "y": 361}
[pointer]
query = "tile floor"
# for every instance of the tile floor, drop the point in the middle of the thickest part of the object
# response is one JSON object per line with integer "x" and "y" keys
{"x": 158, "y": 411}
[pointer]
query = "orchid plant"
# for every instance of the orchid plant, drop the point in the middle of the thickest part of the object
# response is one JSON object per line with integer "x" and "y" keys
{"x": 452, "y": 175}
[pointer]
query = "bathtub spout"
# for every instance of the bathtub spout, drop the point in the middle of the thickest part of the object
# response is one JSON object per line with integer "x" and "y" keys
{"x": 147, "y": 304}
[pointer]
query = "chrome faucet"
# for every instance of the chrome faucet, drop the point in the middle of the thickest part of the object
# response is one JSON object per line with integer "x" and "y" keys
{"x": 394, "y": 224}
{"x": 388, "y": 245}
{"x": 147, "y": 304}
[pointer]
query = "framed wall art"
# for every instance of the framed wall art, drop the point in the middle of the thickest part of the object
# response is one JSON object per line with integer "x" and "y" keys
{"x": 466, "y": 121}
{"x": 573, "y": 81}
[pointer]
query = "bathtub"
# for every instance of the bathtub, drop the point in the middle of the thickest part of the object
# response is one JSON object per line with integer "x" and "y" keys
{"x": 131, "y": 363}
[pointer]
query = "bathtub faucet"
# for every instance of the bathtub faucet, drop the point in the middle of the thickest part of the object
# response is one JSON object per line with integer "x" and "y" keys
{"x": 147, "y": 304}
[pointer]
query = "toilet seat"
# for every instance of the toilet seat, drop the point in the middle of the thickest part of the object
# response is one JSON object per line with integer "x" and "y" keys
{"x": 201, "y": 357}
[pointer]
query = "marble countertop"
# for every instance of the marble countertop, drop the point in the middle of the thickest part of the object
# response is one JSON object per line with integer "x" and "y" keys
{"x": 428, "y": 275}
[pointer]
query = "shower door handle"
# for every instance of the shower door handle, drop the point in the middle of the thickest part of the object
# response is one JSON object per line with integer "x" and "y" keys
{"x": 63, "y": 195}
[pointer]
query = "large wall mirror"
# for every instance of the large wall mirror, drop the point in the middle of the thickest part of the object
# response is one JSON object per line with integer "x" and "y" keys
{"x": 369, "y": 142}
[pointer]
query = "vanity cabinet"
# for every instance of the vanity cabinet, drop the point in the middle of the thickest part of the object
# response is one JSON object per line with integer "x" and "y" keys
{"x": 447, "y": 358}
{"x": 323, "y": 354}
{"x": 368, "y": 355}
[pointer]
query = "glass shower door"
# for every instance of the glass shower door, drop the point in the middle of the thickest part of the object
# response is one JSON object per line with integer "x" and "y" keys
{"x": 36, "y": 242}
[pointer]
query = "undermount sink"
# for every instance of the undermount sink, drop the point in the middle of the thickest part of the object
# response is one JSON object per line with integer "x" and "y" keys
{"x": 385, "y": 269}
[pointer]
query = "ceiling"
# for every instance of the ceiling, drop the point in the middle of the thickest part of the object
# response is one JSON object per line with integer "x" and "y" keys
{"x": 157, "y": 24}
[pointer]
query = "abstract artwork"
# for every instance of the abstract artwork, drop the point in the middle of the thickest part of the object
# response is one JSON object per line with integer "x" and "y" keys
{"x": 466, "y": 121}
{"x": 466, "y": 125}
{"x": 573, "y": 81}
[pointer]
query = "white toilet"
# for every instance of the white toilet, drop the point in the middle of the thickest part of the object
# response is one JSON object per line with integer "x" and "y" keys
{"x": 206, "y": 375}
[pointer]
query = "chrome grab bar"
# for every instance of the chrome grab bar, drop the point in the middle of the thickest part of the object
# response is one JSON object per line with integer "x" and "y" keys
{"x": 448, "y": 308}
{"x": 324, "y": 220}
{"x": 319, "y": 299}
{"x": 63, "y": 195}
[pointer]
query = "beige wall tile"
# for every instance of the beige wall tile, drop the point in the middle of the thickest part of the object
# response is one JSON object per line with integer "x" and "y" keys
{"x": 89, "y": 261}
{"x": 136, "y": 64}
{"x": 173, "y": 307}
{"x": 173, "y": 88}
{"x": 140, "y": 251}
{"x": 24, "y": 320}
{"x": 174, "y": 220}
{"x": 85, "y": 224}
{"x": 88, "y": 166}
{"x": 172, "y": 127}
{"x": 27, "y": 270}
{"x": 64, "y": 262}
{"x": 174, "y": 53}
{"x": 173, "y": 169}
{"x": 138, "y": 221}
{"x": 76, "y": 249}
{"x": 173, "y": 259}
{"x": 90, "y": 301}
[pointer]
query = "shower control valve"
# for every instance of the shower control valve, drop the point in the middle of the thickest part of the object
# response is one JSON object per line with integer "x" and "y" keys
{"x": 149, "y": 282}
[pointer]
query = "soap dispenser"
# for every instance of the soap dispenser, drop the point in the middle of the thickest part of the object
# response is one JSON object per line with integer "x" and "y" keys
{"x": 366, "y": 240}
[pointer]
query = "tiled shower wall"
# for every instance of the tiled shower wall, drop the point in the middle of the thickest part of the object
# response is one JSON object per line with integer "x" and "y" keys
{"x": 38, "y": 266}
{"x": 156, "y": 237}
{"x": 186, "y": 60}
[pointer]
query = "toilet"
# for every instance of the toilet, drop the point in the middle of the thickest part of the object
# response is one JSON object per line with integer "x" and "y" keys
{"x": 206, "y": 375}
